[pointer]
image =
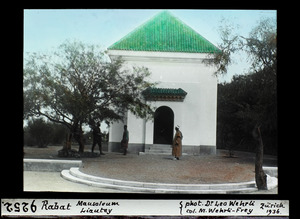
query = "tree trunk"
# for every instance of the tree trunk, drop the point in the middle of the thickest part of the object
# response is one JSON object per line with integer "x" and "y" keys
{"x": 260, "y": 176}
{"x": 78, "y": 136}
{"x": 69, "y": 141}
{"x": 67, "y": 145}
{"x": 76, "y": 133}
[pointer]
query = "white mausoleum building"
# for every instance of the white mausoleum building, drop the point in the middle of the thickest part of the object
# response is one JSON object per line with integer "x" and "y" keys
{"x": 186, "y": 94}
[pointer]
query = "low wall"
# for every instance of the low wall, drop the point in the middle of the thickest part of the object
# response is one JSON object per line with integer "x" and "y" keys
{"x": 49, "y": 165}
{"x": 272, "y": 171}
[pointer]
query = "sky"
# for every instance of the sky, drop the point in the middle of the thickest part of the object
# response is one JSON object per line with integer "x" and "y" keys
{"x": 45, "y": 30}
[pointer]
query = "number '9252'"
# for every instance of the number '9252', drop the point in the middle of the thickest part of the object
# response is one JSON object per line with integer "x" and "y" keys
{"x": 20, "y": 207}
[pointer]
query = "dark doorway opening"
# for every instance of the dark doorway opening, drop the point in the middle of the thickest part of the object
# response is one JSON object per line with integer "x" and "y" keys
{"x": 163, "y": 125}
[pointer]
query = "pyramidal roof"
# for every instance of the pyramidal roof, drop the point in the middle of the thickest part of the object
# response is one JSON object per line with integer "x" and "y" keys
{"x": 164, "y": 33}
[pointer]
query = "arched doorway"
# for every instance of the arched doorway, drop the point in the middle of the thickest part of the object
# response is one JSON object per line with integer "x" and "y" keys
{"x": 163, "y": 125}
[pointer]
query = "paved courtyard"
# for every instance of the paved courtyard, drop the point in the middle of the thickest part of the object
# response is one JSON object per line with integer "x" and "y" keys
{"x": 163, "y": 169}
{"x": 150, "y": 168}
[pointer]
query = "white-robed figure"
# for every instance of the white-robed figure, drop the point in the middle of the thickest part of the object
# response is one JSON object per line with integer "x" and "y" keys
{"x": 177, "y": 144}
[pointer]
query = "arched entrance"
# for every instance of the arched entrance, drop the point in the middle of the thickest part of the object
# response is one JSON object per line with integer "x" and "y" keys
{"x": 163, "y": 125}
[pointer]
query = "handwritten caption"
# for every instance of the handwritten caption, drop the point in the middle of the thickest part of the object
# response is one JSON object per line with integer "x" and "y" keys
{"x": 233, "y": 207}
{"x": 42, "y": 207}
{"x": 46, "y": 207}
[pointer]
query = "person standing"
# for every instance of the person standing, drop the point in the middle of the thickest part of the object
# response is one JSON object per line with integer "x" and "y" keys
{"x": 97, "y": 138}
{"x": 125, "y": 140}
{"x": 177, "y": 144}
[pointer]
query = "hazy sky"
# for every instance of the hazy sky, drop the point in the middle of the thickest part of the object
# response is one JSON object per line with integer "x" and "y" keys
{"x": 45, "y": 30}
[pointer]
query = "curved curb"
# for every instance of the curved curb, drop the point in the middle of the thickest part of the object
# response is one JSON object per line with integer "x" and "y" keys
{"x": 75, "y": 175}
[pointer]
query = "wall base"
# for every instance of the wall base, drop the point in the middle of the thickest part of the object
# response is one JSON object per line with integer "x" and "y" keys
{"x": 132, "y": 148}
{"x": 188, "y": 149}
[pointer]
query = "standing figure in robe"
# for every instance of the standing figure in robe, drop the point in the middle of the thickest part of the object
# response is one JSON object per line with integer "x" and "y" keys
{"x": 177, "y": 144}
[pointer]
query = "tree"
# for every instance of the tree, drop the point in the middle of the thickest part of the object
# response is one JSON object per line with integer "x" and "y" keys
{"x": 222, "y": 58}
{"x": 258, "y": 106}
{"x": 40, "y": 132}
{"x": 261, "y": 46}
{"x": 260, "y": 176}
{"x": 242, "y": 104}
{"x": 76, "y": 85}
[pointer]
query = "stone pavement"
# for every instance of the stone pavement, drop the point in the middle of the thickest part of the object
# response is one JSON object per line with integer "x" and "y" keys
{"x": 163, "y": 169}
{"x": 52, "y": 182}
{"x": 149, "y": 168}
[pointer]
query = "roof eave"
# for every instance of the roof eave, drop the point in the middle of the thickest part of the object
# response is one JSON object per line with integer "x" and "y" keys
{"x": 155, "y": 55}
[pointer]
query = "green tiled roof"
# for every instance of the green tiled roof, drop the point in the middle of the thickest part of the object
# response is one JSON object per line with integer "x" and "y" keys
{"x": 169, "y": 94}
{"x": 164, "y": 33}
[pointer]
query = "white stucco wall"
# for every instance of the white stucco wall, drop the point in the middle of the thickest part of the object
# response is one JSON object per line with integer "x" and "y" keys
{"x": 116, "y": 131}
{"x": 136, "y": 128}
{"x": 196, "y": 115}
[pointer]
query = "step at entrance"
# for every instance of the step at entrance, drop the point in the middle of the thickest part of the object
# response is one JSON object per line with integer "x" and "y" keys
{"x": 158, "y": 149}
